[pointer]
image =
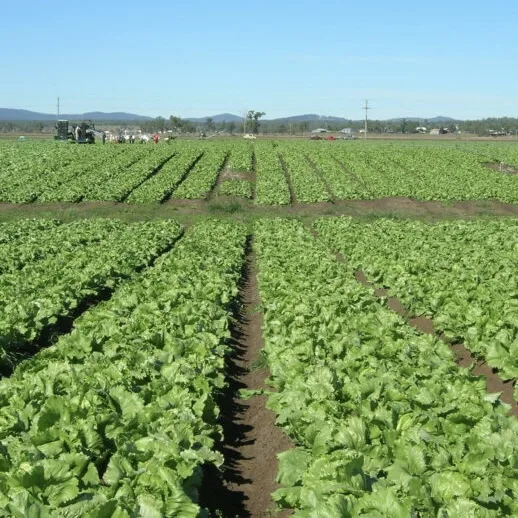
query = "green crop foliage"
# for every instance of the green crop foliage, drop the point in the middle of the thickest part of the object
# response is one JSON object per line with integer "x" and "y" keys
{"x": 318, "y": 171}
{"x": 383, "y": 421}
{"x": 462, "y": 274}
{"x": 120, "y": 415}
{"x": 46, "y": 275}
{"x": 240, "y": 188}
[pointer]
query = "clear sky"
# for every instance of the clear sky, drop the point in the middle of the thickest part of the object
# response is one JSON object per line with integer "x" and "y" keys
{"x": 195, "y": 58}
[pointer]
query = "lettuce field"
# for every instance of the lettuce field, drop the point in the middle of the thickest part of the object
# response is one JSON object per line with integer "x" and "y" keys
{"x": 282, "y": 173}
{"x": 275, "y": 359}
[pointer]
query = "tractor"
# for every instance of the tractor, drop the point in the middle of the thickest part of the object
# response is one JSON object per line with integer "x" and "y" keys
{"x": 83, "y": 133}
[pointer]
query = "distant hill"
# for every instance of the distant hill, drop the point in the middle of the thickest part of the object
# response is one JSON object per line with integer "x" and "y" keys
{"x": 9, "y": 114}
{"x": 440, "y": 119}
{"x": 217, "y": 119}
{"x": 309, "y": 117}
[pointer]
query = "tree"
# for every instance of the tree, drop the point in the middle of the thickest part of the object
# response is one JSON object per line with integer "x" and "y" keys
{"x": 160, "y": 124}
{"x": 209, "y": 121}
{"x": 452, "y": 128}
{"x": 252, "y": 119}
{"x": 175, "y": 123}
{"x": 231, "y": 126}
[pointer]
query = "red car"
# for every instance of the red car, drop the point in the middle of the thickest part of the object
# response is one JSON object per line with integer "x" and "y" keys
{"x": 331, "y": 138}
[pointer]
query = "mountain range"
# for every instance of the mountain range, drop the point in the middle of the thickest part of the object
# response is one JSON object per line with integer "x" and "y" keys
{"x": 311, "y": 117}
{"x": 10, "y": 114}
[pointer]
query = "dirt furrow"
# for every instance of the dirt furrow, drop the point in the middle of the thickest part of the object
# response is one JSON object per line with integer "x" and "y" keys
{"x": 293, "y": 198}
{"x": 64, "y": 323}
{"x": 463, "y": 356}
{"x": 359, "y": 181}
{"x": 251, "y": 441}
{"x": 382, "y": 207}
{"x": 225, "y": 168}
{"x": 150, "y": 175}
{"x": 319, "y": 173}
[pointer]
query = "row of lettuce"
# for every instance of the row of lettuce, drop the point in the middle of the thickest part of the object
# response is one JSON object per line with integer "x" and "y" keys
{"x": 285, "y": 172}
{"x": 462, "y": 274}
{"x": 383, "y": 420}
{"x": 118, "y": 417}
{"x": 49, "y": 270}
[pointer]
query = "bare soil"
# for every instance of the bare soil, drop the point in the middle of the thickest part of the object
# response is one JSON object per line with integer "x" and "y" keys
{"x": 423, "y": 324}
{"x": 332, "y": 197}
{"x": 228, "y": 174}
{"x": 251, "y": 439}
{"x": 501, "y": 167}
{"x": 352, "y": 174}
{"x": 293, "y": 198}
{"x": 187, "y": 206}
{"x": 399, "y": 207}
{"x": 463, "y": 356}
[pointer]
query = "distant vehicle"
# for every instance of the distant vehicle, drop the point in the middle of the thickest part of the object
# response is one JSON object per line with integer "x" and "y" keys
{"x": 83, "y": 133}
{"x": 497, "y": 133}
{"x": 249, "y": 136}
{"x": 331, "y": 138}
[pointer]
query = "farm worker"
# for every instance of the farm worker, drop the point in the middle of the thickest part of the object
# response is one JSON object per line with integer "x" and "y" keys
{"x": 104, "y": 137}
{"x": 78, "y": 132}
{"x": 156, "y": 138}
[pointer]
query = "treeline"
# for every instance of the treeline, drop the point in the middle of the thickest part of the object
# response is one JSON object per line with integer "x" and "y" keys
{"x": 478, "y": 127}
{"x": 507, "y": 125}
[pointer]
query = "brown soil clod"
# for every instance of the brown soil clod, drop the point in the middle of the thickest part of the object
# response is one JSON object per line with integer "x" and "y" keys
{"x": 251, "y": 440}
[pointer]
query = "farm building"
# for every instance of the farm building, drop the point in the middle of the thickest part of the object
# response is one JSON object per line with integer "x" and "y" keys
{"x": 319, "y": 130}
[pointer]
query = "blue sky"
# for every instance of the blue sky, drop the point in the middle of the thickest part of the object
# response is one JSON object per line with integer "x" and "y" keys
{"x": 198, "y": 58}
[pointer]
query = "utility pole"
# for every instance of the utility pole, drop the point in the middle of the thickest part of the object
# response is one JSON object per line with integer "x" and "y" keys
{"x": 366, "y": 108}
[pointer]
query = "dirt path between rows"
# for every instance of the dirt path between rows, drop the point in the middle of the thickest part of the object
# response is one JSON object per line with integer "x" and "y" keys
{"x": 284, "y": 166}
{"x": 463, "y": 356}
{"x": 251, "y": 440}
{"x": 322, "y": 177}
{"x": 400, "y": 207}
{"x": 222, "y": 173}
